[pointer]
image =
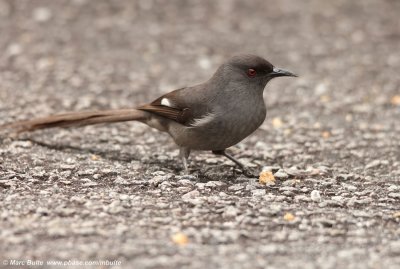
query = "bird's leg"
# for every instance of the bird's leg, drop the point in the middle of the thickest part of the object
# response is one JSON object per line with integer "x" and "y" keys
{"x": 230, "y": 157}
{"x": 184, "y": 154}
{"x": 244, "y": 168}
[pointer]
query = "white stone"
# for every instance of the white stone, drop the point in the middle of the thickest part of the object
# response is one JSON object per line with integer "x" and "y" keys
{"x": 316, "y": 196}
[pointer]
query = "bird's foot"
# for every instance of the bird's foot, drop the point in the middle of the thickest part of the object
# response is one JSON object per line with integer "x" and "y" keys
{"x": 248, "y": 172}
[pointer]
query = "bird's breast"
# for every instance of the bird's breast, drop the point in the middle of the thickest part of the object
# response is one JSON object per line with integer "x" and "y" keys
{"x": 228, "y": 124}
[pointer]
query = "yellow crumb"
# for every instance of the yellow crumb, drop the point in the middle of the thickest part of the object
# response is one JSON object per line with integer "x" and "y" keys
{"x": 288, "y": 217}
{"x": 266, "y": 177}
{"x": 94, "y": 157}
{"x": 326, "y": 134}
{"x": 395, "y": 100}
{"x": 277, "y": 122}
{"x": 180, "y": 239}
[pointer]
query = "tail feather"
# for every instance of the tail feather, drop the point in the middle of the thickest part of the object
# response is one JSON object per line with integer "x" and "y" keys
{"x": 77, "y": 119}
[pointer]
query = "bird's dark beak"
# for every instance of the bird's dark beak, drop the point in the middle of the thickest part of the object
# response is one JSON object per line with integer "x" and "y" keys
{"x": 278, "y": 72}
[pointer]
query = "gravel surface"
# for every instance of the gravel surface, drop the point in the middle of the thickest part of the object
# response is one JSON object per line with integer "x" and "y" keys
{"x": 117, "y": 192}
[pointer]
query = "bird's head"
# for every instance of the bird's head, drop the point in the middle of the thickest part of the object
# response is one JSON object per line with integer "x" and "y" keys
{"x": 248, "y": 68}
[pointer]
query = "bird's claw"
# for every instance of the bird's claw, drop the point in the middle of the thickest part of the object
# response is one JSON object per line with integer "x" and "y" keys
{"x": 249, "y": 172}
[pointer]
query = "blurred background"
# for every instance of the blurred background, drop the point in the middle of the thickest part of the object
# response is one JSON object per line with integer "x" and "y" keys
{"x": 342, "y": 113}
{"x": 121, "y": 53}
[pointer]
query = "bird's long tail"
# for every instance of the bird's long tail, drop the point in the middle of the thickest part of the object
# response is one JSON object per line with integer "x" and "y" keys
{"x": 76, "y": 119}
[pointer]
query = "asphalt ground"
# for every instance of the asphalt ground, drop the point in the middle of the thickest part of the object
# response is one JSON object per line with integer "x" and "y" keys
{"x": 117, "y": 192}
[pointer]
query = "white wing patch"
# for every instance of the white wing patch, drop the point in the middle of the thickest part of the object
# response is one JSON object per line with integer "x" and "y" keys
{"x": 166, "y": 102}
{"x": 207, "y": 118}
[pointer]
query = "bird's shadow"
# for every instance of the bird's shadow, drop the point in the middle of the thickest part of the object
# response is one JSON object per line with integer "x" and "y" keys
{"x": 201, "y": 172}
{"x": 109, "y": 155}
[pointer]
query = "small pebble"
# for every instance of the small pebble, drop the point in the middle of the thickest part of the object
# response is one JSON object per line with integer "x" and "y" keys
{"x": 42, "y": 14}
{"x": 281, "y": 174}
{"x": 316, "y": 196}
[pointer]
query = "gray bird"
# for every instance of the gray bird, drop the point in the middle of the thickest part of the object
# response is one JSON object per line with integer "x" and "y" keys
{"x": 214, "y": 115}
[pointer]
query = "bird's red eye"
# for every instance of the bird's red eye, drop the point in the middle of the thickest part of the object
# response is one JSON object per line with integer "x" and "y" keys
{"x": 251, "y": 73}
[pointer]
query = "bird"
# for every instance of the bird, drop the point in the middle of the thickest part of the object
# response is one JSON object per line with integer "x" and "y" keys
{"x": 211, "y": 116}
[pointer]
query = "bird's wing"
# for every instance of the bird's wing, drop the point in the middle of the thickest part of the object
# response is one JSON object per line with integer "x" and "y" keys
{"x": 177, "y": 106}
